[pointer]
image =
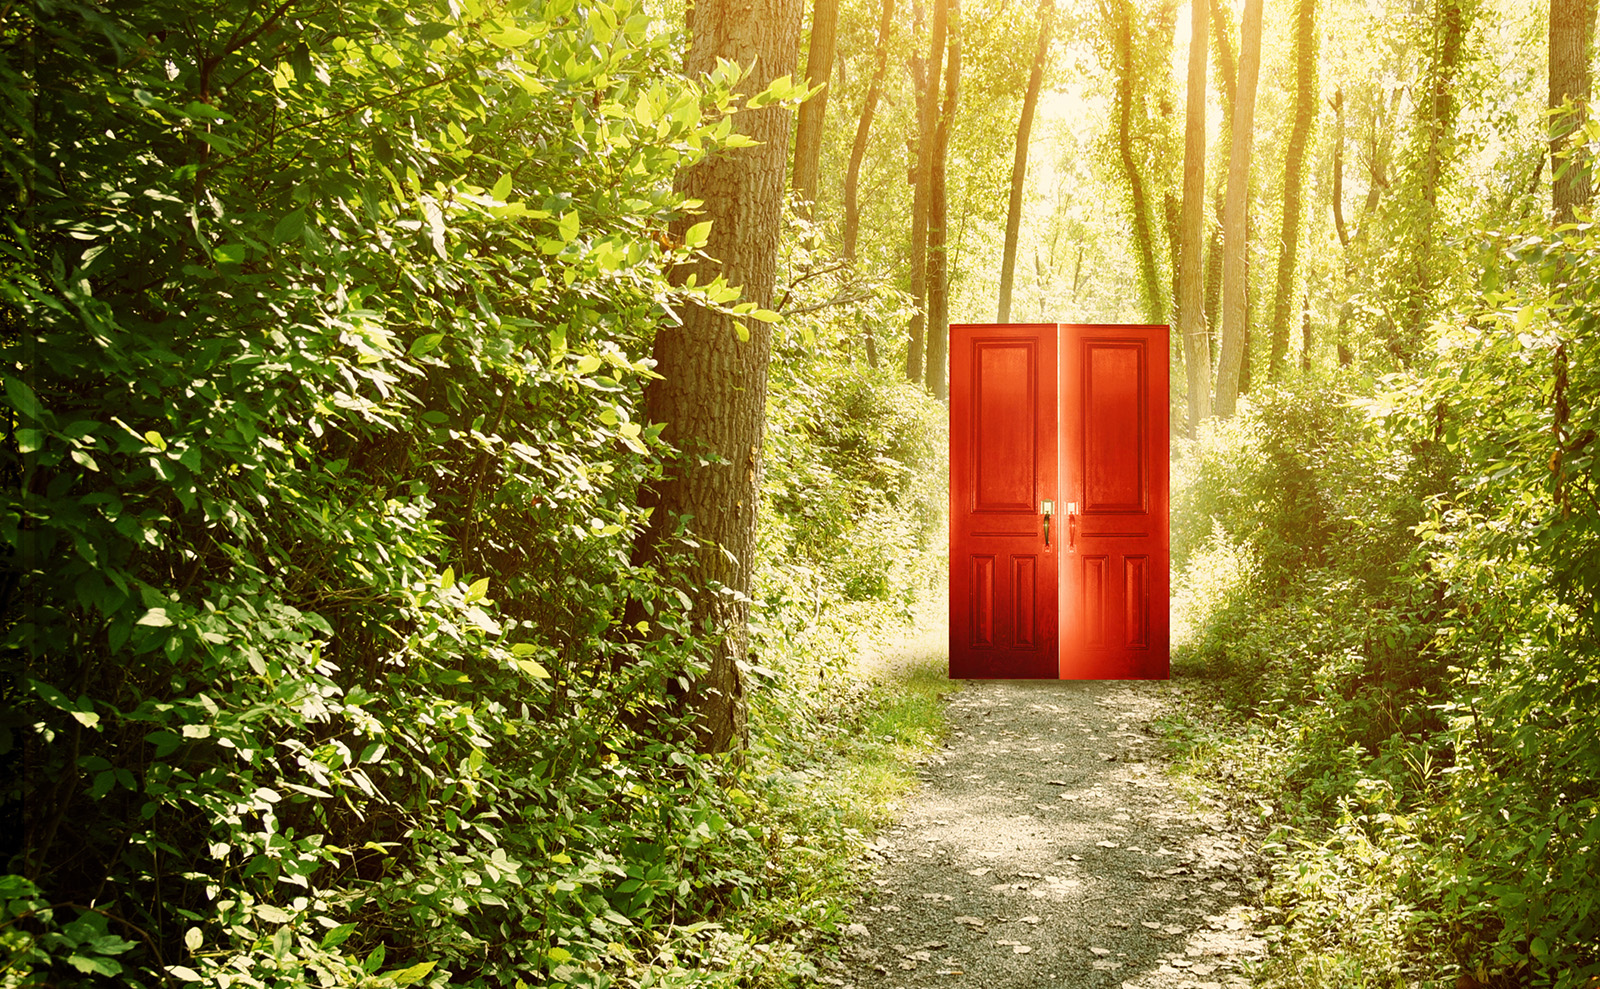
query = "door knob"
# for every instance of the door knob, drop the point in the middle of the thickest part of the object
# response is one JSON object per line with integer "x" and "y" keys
{"x": 1047, "y": 508}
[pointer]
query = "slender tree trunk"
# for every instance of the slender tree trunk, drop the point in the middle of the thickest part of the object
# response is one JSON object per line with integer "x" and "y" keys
{"x": 1191, "y": 312}
{"x": 1571, "y": 33}
{"x": 858, "y": 151}
{"x": 1225, "y": 68}
{"x": 1294, "y": 180}
{"x": 819, "y": 69}
{"x": 1234, "y": 273}
{"x": 712, "y": 389}
{"x": 926, "y": 79}
{"x": 938, "y": 208}
{"x": 1019, "y": 161}
{"x": 1121, "y": 26}
{"x": 1341, "y": 337}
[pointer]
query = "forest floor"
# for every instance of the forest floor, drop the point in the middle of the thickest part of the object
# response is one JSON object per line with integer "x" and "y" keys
{"x": 1051, "y": 845}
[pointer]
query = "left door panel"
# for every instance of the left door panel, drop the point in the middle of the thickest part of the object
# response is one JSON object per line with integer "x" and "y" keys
{"x": 1003, "y": 552}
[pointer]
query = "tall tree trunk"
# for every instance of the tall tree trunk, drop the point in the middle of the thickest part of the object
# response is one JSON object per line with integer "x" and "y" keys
{"x": 1019, "y": 160}
{"x": 1234, "y": 273}
{"x": 1571, "y": 33}
{"x": 858, "y": 151}
{"x": 712, "y": 389}
{"x": 1438, "y": 107}
{"x": 819, "y": 69}
{"x": 1341, "y": 336}
{"x": 926, "y": 79}
{"x": 1191, "y": 312}
{"x": 1225, "y": 68}
{"x": 1294, "y": 180}
{"x": 938, "y": 209}
{"x": 1121, "y": 26}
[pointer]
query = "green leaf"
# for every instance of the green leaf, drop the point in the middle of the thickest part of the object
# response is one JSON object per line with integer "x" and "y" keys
{"x": 29, "y": 440}
{"x": 289, "y": 227}
{"x": 502, "y": 188}
{"x": 338, "y": 935}
{"x": 95, "y": 964}
{"x": 511, "y": 37}
{"x": 697, "y": 235}
{"x": 155, "y": 439}
{"x": 193, "y": 939}
{"x": 406, "y": 976}
{"x": 558, "y": 954}
{"x": 588, "y": 364}
{"x": 425, "y": 343}
{"x": 229, "y": 253}
{"x": 532, "y": 667}
{"x": 156, "y": 618}
{"x": 477, "y": 589}
{"x": 22, "y": 397}
{"x": 568, "y": 225}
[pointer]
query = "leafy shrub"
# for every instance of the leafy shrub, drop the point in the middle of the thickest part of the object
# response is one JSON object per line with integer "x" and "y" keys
{"x": 328, "y": 336}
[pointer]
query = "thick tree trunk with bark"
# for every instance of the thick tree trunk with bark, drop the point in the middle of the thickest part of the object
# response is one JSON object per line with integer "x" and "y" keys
{"x": 713, "y": 386}
{"x": 819, "y": 69}
{"x": 926, "y": 80}
{"x": 1191, "y": 312}
{"x": 938, "y": 210}
{"x": 1571, "y": 33}
{"x": 1294, "y": 180}
{"x": 1019, "y": 160}
{"x": 858, "y": 151}
{"x": 1234, "y": 243}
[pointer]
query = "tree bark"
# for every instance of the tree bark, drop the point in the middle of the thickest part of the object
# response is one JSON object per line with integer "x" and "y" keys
{"x": 1438, "y": 108}
{"x": 1191, "y": 302}
{"x": 819, "y": 70}
{"x": 1234, "y": 244}
{"x": 926, "y": 80}
{"x": 712, "y": 391}
{"x": 1342, "y": 333}
{"x": 1571, "y": 33}
{"x": 938, "y": 210}
{"x": 1121, "y": 25}
{"x": 1294, "y": 181}
{"x": 1225, "y": 68}
{"x": 1019, "y": 160}
{"x": 858, "y": 151}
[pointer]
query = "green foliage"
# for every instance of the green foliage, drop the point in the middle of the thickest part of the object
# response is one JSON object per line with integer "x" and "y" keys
{"x": 1401, "y": 590}
{"x": 324, "y": 432}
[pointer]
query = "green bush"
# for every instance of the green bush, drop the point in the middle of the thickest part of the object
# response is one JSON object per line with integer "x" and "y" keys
{"x": 326, "y": 339}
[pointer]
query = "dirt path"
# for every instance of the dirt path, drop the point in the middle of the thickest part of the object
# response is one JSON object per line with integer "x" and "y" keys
{"x": 1049, "y": 847}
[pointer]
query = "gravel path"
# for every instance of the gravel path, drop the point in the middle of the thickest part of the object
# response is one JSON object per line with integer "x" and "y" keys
{"x": 1049, "y": 847}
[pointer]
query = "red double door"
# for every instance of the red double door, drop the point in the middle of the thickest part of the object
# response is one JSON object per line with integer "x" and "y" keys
{"x": 1058, "y": 501}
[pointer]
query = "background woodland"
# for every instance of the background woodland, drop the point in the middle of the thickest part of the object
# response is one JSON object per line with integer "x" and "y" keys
{"x": 450, "y": 463}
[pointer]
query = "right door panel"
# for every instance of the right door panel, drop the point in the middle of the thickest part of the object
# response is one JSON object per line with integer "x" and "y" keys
{"x": 1114, "y": 581}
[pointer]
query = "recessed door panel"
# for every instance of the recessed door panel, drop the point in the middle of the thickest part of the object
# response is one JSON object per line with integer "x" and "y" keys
{"x": 1113, "y": 434}
{"x": 1004, "y": 596}
{"x": 1004, "y": 423}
